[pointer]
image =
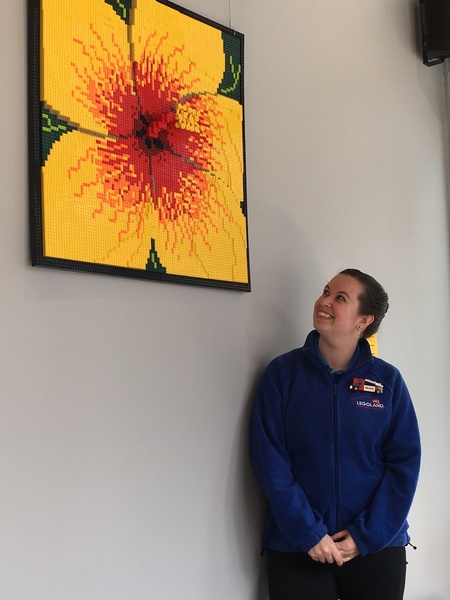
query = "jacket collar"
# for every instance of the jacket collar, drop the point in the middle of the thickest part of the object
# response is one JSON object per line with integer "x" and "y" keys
{"x": 365, "y": 353}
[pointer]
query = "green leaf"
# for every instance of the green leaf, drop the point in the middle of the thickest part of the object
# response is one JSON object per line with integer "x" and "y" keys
{"x": 52, "y": 128}
{"x": 122, "y": 8}
{"x": 232, "y": 77}
{"x": 153, "y": 263}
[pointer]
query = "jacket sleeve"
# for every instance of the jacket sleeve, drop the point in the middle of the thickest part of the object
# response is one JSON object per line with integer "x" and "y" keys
{"x": 297, "y": 520}
{"x": 376, "y": 527}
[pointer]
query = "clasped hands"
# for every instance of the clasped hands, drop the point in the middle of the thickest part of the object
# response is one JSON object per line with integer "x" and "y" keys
{"x": 338, "y": 548}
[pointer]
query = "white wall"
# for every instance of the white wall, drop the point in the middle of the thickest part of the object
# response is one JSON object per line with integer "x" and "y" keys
{"x": 124, "y": 404}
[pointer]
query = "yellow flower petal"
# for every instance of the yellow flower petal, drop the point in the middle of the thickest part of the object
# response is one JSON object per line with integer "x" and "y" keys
{"x": 214, "y": 244}
{"x": 76, "y": 225}
{"x": 85, "y": 56}
{"x": 177, "y": 49}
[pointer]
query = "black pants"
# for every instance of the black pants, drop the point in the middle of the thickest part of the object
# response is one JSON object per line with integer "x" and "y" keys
{"x": 379, "y": 576}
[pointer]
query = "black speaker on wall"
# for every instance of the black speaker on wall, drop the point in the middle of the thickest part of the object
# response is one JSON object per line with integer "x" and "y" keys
{"x": 435, "y": 25}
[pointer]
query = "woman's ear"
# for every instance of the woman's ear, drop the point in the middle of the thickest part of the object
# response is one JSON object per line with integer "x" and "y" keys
{"x": 367, "y": 320}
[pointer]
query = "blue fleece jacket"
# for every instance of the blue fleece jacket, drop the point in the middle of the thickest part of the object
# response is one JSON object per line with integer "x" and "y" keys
{"x": 330, "y": 457}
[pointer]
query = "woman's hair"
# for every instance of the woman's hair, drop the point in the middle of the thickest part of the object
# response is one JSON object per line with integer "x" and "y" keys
{"x": 373, "y": 300}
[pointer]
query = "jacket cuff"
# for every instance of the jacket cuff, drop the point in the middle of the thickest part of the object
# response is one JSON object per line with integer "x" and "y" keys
{"x": 362, "y": 546}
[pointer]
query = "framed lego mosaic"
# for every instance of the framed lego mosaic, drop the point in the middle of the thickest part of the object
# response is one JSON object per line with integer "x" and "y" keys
{"x": 137, "y": 154}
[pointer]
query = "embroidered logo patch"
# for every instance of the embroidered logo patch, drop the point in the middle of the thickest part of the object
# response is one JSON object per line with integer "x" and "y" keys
{"x": 371, "y": 403}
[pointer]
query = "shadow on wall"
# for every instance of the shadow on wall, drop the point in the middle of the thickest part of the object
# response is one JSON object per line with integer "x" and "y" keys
{"x": 283, "y": 283}
{"x": 251, "y": 505}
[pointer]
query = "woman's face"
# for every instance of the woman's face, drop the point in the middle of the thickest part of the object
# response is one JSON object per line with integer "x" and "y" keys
{"x": 336, "y": 311}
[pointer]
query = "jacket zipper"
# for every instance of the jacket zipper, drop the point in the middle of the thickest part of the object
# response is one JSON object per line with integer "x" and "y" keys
{"x": 336, "y": 458}
{"x": 360, "y": 364}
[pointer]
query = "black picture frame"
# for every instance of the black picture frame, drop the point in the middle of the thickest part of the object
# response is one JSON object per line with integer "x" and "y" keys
{"x": 195, "y": 161}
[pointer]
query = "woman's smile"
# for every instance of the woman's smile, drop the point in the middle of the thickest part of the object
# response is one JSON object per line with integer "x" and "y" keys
{"x": 324, "y": 315}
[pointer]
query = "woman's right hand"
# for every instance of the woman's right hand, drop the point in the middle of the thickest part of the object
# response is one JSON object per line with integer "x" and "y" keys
{"x": 326, "y": 551}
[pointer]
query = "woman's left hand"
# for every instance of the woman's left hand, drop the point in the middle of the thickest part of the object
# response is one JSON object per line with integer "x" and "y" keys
{"x": 345, "y": 544}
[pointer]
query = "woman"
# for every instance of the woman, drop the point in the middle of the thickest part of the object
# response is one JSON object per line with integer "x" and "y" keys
{"x": 335, "y": 445}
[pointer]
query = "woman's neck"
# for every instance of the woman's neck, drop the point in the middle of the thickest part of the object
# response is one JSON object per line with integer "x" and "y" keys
{"x": 338, "y": 357}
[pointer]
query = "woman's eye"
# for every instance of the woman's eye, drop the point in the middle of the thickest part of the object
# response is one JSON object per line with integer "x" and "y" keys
{"x": 340, "y": 297}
